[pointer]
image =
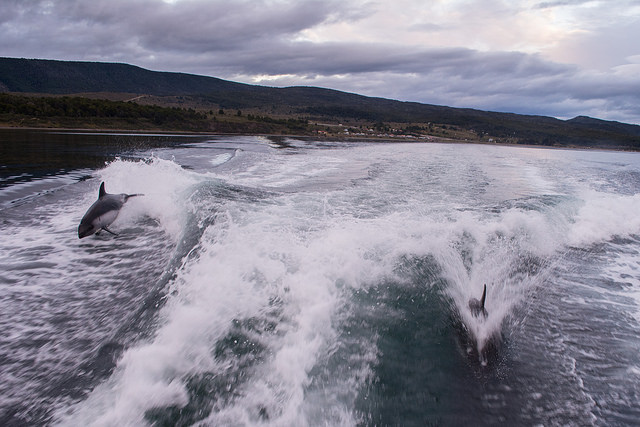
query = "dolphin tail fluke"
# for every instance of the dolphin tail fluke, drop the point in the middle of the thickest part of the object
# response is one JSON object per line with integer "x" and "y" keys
{"x": 484, "y": 296}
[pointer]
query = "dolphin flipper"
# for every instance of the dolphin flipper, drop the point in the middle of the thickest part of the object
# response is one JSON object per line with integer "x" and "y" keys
{"x": 109, "y": 231}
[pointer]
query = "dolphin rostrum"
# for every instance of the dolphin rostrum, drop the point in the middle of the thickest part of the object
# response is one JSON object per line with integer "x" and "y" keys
{"x": 102, "y": 213}
{"x": 477, "y": 307}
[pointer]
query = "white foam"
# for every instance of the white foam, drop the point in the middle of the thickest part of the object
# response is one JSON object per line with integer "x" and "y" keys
{"x": 498, "y": 246}
{"x": 296, "y": 258}
{"x": 247, "y": 260}
{"x": 220, "y": 159}
{"x": 164, "y": 185}
{"x": 603, "y": 216}
{"x": 48, "y": 271}
{"x": 623, "y": 268}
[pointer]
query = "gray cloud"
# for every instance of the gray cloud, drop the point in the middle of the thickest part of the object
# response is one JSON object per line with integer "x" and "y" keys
{"x": 243, "y": 39}
{"x": 552, "y": 4}
{"x": 189, "y": 27}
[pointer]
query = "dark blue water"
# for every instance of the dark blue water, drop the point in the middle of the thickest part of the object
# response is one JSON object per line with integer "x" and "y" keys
{"x": 295, "y": 282}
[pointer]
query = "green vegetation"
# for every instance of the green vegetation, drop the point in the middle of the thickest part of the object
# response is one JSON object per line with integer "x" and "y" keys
{"x": 184, "y": 102}
{"x": 94, "y": 113}
{"x": 61, "y": 111}
{"x": 79, "y": 112}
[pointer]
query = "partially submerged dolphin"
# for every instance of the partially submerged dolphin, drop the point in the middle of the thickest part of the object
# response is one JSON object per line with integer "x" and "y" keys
{"x": 477, "y": 307}
{"x": 102, "y": 213}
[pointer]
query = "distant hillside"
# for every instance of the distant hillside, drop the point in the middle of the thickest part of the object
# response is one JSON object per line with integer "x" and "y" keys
{"x": 66, "y": 77}
{"x": 63, "y": 77}
{"x": 590, "y": 122}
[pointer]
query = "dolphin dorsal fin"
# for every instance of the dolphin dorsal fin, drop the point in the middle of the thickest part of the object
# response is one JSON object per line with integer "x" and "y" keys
{"x": 102, "y": 192}
{"x": 484, "y": 296}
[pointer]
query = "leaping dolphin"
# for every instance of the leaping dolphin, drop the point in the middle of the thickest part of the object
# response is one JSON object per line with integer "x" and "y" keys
{"x": 102, "y": 213}
{"x": 477, "y": 307}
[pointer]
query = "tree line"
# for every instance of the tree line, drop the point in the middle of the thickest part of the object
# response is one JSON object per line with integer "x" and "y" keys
{"x": 85, "y": 108}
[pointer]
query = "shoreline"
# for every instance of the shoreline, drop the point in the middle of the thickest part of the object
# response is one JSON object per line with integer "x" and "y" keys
{"x": 342, "y": 138}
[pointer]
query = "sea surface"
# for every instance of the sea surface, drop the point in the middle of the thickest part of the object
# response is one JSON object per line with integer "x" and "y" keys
{"x": 297, "y": 282}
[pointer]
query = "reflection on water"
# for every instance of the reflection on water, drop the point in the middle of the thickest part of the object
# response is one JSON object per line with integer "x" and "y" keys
{"x": 35, "y": 161}
{"x": 33, "y": 154}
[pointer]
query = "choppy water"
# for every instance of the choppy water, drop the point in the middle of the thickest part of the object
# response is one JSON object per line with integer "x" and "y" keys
{"x": 289, "y": 283}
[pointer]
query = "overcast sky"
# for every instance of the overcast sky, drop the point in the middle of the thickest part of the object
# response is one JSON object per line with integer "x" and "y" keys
{"x": 559, "y": 58}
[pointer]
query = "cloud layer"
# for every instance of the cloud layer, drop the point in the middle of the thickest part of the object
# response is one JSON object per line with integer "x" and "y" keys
{"x": 558, "y": 58}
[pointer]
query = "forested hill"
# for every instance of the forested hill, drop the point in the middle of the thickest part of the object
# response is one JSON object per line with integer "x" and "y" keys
{"x": 34, "y": 76}
{"x": 68, "y": 77}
